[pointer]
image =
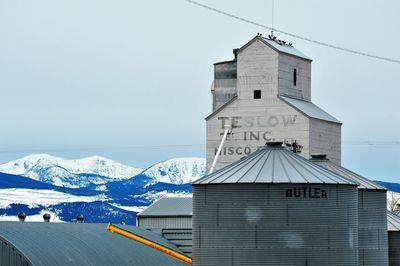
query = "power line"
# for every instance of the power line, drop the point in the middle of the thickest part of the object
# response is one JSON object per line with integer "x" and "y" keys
{"x": 371, "y": 143}
{"x": 76, "y": 149}
{"x": 174, "y": 146}
{"x": 293, "y": 35}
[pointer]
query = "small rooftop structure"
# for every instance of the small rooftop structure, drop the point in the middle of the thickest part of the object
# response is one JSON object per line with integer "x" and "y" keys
{"x": 77, "y": 244}
{"x": 169, "y": 207}
{"x": 364, "y": 183}
{"x": 273, "y": 164}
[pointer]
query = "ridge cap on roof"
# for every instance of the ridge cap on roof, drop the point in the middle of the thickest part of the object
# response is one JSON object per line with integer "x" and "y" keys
{"x": 265, "y": 41}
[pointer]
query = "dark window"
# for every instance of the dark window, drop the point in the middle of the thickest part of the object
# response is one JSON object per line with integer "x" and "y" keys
{"x": 294, "y": 77}
{"x": 257, "y": 94}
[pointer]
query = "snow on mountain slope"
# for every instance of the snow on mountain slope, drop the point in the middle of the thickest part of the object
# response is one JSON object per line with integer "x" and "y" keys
{"x": 23, "y": 165}
{"x": 69, "y": 173}
{"x": 33, "y": 218}
{"x": 154, "y": 196}
{"x": 39, "y": 197}
{"x": 178, "y": 170}
{"x": 101, "y": 166}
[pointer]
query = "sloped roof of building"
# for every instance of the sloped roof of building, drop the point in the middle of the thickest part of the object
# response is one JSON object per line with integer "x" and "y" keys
{"x": 169, "y": 207}
{"x": 364, "y": 183}
{"x": 285, "y": 48}
{"x": 277, "y": 45}
{"x": 82, "y": 244}
{"x": 309, "y": 109}
{"x": 393, "y": 222}
{"x": 273, "y": 164}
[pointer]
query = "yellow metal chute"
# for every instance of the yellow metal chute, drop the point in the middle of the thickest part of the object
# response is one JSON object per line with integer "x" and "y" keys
{"x": 144, "y": 241}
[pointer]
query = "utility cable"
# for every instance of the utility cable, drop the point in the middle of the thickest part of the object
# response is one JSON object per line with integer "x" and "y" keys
{"x": 294, "y": 35}
{"x": 183, "y": 146}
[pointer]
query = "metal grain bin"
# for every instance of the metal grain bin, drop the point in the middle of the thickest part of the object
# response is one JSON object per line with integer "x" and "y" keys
{"x": 372, "y": 216}
{"x": 274, "y": 208}
{"x": 394, "y": 239}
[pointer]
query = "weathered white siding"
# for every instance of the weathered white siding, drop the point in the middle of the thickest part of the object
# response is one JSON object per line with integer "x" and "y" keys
{"x": 287, "y": 64}
{"x": 257, "y": 69}
{"x": 255, "y": 124}
{"x": 325, "y": 138}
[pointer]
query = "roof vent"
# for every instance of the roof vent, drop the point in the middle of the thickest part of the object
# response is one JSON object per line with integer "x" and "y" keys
{"x": 80, "y": 218}
{"x": 46, "y": 217}
{"x": 274, "y": 143}
{"x": 21, "y": 216}
{"x": 318, "y": 156}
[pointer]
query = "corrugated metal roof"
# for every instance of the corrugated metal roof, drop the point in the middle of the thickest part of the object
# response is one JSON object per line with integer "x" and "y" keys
{"x": 273, "y": 164}
{"x": 309, "y": 109}
{"x": 285, "y": 48}
{"x": 393, "y": 222}
{"x": 363, "y": 182}
{"x": 169, "y": 207}
{"x": 83, "y": 244}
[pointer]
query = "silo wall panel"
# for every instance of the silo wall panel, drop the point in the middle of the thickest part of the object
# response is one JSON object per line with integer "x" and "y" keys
{"x": 260, "y": 224}
{"x": 372, "y": 231}
{"x": 394, "y": 248}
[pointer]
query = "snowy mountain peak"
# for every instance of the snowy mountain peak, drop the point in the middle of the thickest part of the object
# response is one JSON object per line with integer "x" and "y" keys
{"x": 24, "y": 164}
{"x": 101, "y": 166}
{"x": 69, "y": 173}
{"x": 177, "y": 170}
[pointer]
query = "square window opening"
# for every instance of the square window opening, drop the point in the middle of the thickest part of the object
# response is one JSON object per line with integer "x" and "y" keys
{"x": 257, "y": 94}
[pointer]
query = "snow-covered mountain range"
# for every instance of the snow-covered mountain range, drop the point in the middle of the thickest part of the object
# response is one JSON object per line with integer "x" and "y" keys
{"x": 97, "y": 170}
{"x": 101, "y": 189}
{"x": 69, "y": 173}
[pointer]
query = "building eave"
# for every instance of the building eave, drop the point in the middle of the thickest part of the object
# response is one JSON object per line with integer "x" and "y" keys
{"x": 221, "y": 108}
{"x": 304, "y": 113}
{"x": 225, "y": 62}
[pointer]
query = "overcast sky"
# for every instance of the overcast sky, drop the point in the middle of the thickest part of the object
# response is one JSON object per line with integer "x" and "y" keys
{"x": 93, "y": 74}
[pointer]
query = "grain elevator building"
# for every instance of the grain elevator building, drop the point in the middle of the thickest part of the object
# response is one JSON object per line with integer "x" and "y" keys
{"x": 264, "y": 93}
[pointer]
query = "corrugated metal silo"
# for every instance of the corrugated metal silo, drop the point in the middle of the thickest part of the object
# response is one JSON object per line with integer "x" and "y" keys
{"x": 372, "y": 216}
{"x": 274, "y": 208}
{"x": 394, "y": 239}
